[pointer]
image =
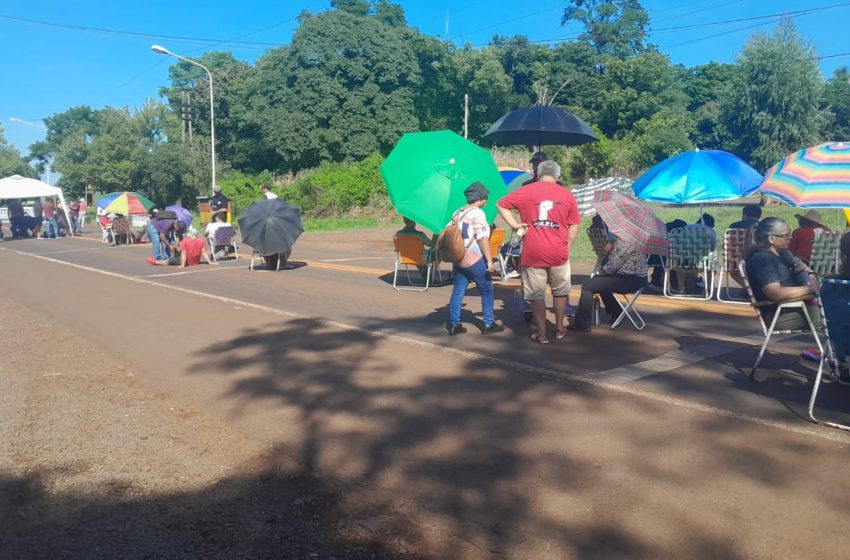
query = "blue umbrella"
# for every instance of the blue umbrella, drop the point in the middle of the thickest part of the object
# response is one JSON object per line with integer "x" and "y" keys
{"x": 697, "y": 177}
{"x": 182, "y": 214}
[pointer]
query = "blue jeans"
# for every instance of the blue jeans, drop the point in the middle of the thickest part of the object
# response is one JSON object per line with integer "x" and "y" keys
{"x": 51, "y": 228}
{"x": 462, "y": 277}
{"x": 158, "y": 250}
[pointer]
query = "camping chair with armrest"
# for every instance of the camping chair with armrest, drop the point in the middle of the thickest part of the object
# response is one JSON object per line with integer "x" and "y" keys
{"x": 497, "y": 239}
{"x": 410, "y": 251}
{"x": 138, "y": 227}
{"x": 223, "y": 237}
{"x": 770, "y": 330}
{"x": 690, "y": 251}
{"x": 825, "y": 256}
{"x": 835, "y": 305}
{"x": 733, "y": 252}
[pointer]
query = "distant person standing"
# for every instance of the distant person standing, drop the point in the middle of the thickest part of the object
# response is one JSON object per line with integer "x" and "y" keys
{"x": 218, "y": 204}
{"x": 549, "y": 212}
{"x": 51, "y": 230}
{"x": 74, "y": 213}
{"x": 267, "y": 191}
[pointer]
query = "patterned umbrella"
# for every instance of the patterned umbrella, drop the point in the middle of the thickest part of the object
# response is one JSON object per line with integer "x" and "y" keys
{"x": 817, "y": 177}
{"x": 125, "y": 203}
{"x": 632, "y": 222}
{"x": 514, "y": 177}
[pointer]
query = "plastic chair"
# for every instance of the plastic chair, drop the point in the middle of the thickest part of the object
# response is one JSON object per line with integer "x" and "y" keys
{"x": 769, "y": 331}
{"x": 825, "y": 257}
{"x": 835, "y": 304}
{"x": 497, "y": 239}
{"x": 733, "y": 253}
{"x": 410, "y": 251}
{"x": 690, "y": 251}
{"x": 223, "y": 237}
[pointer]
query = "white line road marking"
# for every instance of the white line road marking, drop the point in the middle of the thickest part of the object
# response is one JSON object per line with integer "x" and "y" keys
{"x": 508, "y": 365}
{"x": 384, "y": 258}
{"x": 71, "y": 251}
{"x": 201, "y": 270}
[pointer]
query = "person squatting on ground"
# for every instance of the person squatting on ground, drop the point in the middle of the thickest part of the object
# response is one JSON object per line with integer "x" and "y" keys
{"x": 477, "y": 262}
{"x": 623, "y": 271}
{"x": 549, "y": 213}
{"x": 776, "y": 275}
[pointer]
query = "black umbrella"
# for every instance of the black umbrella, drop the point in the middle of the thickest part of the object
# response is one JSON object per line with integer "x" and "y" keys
{"x": 539, "y": 126}
{"x": 271, "y": 226}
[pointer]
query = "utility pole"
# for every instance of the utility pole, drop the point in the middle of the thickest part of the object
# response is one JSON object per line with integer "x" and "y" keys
{"x": 466, "y": 115}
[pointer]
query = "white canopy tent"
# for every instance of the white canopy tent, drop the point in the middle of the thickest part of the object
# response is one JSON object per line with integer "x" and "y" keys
{"x": 24, "y": 187}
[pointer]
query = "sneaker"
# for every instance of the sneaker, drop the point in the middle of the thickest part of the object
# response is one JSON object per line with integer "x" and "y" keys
{"x": 150, "y": 260}
{"x": 512, "y": 274}
{"x": 493, "y": 328}
{"x": 456, "y": 329}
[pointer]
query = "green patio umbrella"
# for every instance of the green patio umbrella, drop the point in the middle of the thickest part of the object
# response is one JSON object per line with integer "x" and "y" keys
{"x": 427, "y": 172}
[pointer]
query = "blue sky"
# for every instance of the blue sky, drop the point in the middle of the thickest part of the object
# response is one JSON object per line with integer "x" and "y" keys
{"x": 48, "y": 69}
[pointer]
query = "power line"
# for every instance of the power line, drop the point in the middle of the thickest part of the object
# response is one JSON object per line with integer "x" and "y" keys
{"x": 792, "y": 14}
{"x": 525, "y": 16}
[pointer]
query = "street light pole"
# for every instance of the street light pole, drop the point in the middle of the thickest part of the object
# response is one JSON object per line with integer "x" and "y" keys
{"x": 42, "y": 127}
{"x": 163, "y": 50}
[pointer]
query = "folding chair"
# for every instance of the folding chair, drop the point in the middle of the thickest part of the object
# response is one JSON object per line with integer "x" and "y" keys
{"x": 223, "y": 237}
{"x": 825, "y": 257}
{"x": 598, "y": 240}
{"x": 282, "y": 259}
{"x": 733, "y": 252}
{"x": 410, "y": 251}
{"x": 769, "y": 331}
{"x": 690, "y": 251}
{"x": 497, "y": 239}
{"x": 117, "y": 228}
{"x": 835, "y": 305}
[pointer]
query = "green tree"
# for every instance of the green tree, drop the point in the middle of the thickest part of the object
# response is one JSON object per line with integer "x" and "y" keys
{"x": 594, "y": 159}
{"x": 613, "y": 27}
{"x": 344, "y": 88}
{"x": 634, "y": 89}
{"x": 664, "y": 134}
{"x": 705, "y": 86}
{"x": 490, "y": 88}
{"x": 772, "y": 107}
{"x": 836, "y": 98}
{"x": 11, "y": 162}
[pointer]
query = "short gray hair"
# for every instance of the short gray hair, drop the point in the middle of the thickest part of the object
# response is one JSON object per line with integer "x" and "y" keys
{"x": 550, "y": 168}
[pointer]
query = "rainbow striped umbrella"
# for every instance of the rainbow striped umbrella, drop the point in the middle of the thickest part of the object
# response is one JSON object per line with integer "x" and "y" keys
{"x": 125, "y": 203}
{"x": 817, "y": 177}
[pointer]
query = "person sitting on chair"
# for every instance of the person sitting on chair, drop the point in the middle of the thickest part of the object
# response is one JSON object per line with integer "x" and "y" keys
{"x": 776, "y": 275}
{"x": 803, "y": 238}
{"x": 410, "y": 229}
{"x": 750, "y": 216}
{"x": 212, "y": 227}
{"x": 623, "y": 270}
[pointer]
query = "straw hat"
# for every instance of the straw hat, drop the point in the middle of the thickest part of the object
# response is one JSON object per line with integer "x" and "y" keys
{"x": 812, "y": 216}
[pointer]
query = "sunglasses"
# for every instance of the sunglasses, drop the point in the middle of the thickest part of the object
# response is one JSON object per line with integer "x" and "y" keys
{"x": 786, "y": 236}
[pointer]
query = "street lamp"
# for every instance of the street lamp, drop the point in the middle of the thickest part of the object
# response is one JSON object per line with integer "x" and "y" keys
{"x": 163, "y": 50}
{"x": 42, "y": 127}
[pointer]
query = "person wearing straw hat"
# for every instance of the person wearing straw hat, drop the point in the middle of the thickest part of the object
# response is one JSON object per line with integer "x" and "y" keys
{"x": 803, "y": 238}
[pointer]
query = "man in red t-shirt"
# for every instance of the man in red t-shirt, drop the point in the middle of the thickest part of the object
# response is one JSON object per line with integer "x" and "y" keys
{"x": 549, "y": 213}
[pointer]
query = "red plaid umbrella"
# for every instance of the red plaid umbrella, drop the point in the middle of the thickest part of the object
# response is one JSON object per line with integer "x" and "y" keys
{"x": 632, "y": 222}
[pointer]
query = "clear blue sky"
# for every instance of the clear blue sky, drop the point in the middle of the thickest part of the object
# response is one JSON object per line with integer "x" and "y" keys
{"x": 48, "y": 69}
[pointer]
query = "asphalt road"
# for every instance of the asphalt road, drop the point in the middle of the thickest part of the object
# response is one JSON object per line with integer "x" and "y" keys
{"x": 614, "y": 444}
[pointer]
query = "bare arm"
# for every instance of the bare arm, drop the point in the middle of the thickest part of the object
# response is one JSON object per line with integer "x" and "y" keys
{"x": 508, "y": 216}
{"x": 183, "y": 260}
{"x": 572, "y": 233}
{"x": 777, "y": 293}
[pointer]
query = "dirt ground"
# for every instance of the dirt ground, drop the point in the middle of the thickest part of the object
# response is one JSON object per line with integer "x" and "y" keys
{"x": 95, "y": 464}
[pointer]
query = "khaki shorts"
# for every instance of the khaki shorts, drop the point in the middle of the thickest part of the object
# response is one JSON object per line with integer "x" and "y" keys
{"x": 535, "y": 280}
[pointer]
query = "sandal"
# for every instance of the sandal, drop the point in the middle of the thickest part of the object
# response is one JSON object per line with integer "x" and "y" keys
{"x": 539, "y": 339}
{"x": 561, "y": 333}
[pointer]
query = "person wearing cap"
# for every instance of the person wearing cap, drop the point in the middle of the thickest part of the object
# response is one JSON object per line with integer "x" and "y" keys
{"x": 267, "y": 191}
{"x": 803, "y": 238}
{"x": 218, "y": 204}
{"x": 549, "y": 213}
{"x": 477, "y": 262}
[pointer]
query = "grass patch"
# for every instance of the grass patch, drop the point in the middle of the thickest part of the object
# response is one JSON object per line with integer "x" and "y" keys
{"x": 341, "y": 223}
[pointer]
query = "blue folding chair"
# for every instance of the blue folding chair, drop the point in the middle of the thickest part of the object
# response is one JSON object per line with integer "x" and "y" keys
{"x": 835, "y": 300}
